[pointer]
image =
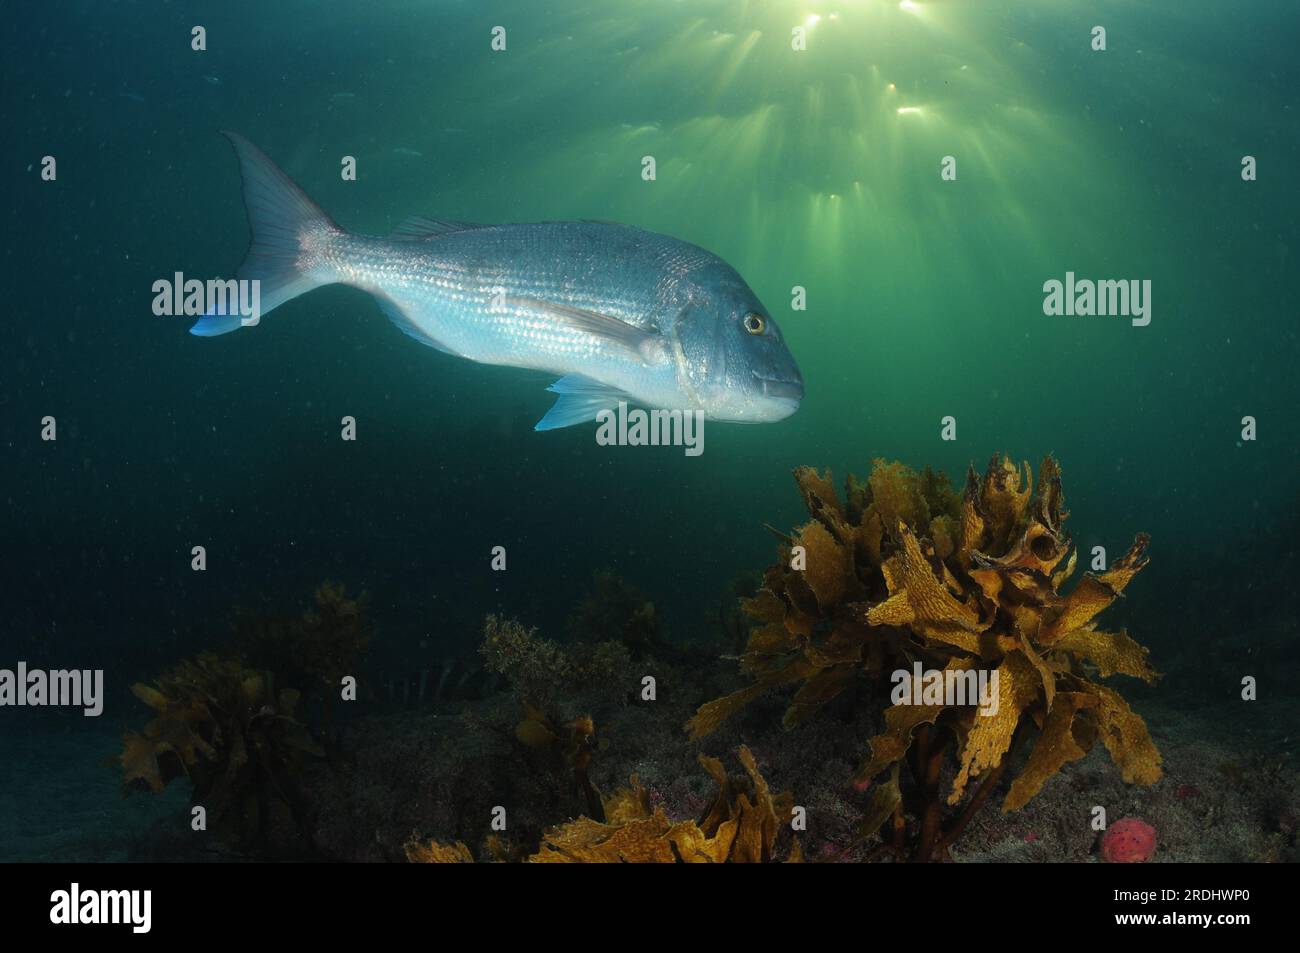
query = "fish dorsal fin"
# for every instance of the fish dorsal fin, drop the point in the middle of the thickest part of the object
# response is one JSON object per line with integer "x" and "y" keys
{"x": 613, "y": 330}
{"x": 417, "y": 228}
{"x": 581, "y": 398}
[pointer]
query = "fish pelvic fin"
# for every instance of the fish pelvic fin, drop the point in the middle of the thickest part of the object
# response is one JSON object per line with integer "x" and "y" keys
{"x": 580, "y": 400}
{"x": 284, "y": 223}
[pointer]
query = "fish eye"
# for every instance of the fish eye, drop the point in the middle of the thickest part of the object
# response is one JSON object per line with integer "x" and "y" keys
{"x": 754, "y": 323}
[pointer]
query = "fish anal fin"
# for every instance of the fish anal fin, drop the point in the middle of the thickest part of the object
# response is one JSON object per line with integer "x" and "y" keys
{"x": 399, "y": 317}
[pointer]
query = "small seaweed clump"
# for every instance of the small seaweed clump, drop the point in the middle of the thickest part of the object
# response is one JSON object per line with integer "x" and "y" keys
{"x": 543, "y": 676}
{"x": 741, "y": 825}
{"x": 542, "y": 672}
{"x": 613, "y": 610}
{"x": 536, "y": 668}
{"x": 314, "y": 651}
{"x": 905, "y": 572}
{"x": 228, "y": 730}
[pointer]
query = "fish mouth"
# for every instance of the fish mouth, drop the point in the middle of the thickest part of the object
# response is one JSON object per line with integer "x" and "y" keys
{"x": 788, "y": 390}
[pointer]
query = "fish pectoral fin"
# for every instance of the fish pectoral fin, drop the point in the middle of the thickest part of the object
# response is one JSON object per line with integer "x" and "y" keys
{"x": 581, "y": 398}
{"x": 417, "y": 228}
{"x": 614, "y": 330}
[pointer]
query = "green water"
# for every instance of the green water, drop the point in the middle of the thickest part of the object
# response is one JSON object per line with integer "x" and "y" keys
{"x": 818, "y": 168}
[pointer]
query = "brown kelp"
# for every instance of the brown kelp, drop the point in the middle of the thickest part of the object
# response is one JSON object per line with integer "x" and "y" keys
{"x": 740, "y": 825}
{"x": 313, "y": 651}
{"x": 570, "y": 747}
{"x": 232, "y": 733}
{"x": 613, "y": 610}
{"x": 728, "y": 617}
{"x": 904, "y": 571}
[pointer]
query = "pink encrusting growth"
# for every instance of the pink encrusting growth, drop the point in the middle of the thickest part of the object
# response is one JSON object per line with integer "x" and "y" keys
{"x": 1128, "y": 841}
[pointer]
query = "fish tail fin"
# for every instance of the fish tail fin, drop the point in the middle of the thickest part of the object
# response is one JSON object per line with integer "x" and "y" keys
{"x": 284, "y": 221}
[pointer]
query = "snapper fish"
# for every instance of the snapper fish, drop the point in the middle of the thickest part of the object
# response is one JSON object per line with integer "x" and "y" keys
{"x": 619, "y": 313}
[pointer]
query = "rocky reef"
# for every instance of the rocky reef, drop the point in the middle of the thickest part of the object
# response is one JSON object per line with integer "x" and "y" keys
{"x": 847, "y": 674}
